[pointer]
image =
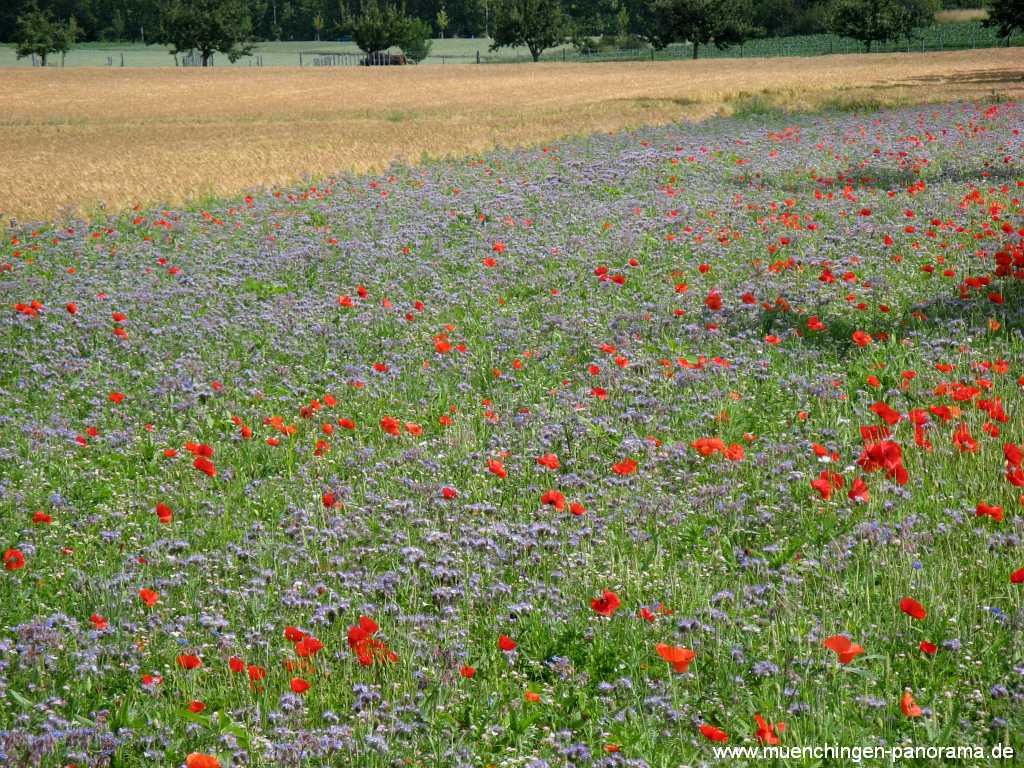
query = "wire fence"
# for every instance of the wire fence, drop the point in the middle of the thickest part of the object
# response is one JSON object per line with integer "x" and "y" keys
{"x": 940, "y": 37}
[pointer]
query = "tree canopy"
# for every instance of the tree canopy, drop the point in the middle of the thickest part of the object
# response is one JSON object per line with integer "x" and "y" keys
{"x": 207, "y": 27}
{"x": 1007, "y": 16}
{"x": 39, "y": 34}
{"x": 879, "y": 21}
{"x": 535, "y": 24}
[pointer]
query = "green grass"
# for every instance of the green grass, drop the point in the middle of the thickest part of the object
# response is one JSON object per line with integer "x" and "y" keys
{"x": 940, "y": 37}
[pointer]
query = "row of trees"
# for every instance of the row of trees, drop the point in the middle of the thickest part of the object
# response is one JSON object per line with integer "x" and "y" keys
{"x": 138, "y": 20}
{"x": 226, "y": 26}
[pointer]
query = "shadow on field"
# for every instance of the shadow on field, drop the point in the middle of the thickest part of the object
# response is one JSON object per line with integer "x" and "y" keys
{"x": 945, "y": 313}
{"x": 987, "y": 77}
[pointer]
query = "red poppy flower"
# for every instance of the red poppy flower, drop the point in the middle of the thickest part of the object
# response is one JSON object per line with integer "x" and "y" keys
{"x": 768, "y": 733}
{"x": 164, "y": 513}
{"x": 449, "y": 493}
{"x": 497, "y": 468}
{"x": 390, "y": 425}
{"x": 886, "y": 455}
{"x": 236, "y": 665}
{"x": 887, "y": 413}
{"x": 13, "y": 559}
{"x": 199, "y": 760}
{"x": 706, "y": 446}
{"x": 293, "y": 634}
{"x": 912, "y": 608}
{"x": 844, "y": 648}
{"x": 71, "y": 308}
{"x": 826, "y": 483}
{"x": 149, "y": 597}
{"x": 205, "y": 466}
{"x": 607, "y": 604}
{"x": 367, "y": 647}
{"x": 909, "y": 706}
{"x": 506, "y": 643}
{"x": 859, "y": 491}
{"x": 930, "y": 648}
{"x": 861, "y": 339}
{"x": 41, "y": 518}
{"x": 189, "y": 661}
{"x": 989, "y": 510}
{"x": 555, "y": 499}
{"x": 712, "y": 733}
{"x": 308, "y": 646}
{"x": 549, "y": 460}
{"x": 577, "y": 508}
{"x": 1017, "y": 577}
{"x": 625, "y": 467}
{"x": 298, "y": 685}
{"x": 116, "y": 397}
{"x": 98, "y": 622}
{"x": 467, "y": 671}
{"x": 256, "y": 672}
{"x": 678, "y": 658}
{"x": 196, "y": 707}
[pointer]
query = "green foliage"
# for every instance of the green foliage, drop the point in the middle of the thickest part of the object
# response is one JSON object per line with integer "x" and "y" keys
{"x": 38, "y": 33}
{"x": 442, "y": 21}
{"x": 699, "y": 22}
{"x": 871, "y": 21}
{"x": 1006, "y": 16}
{"x": 208, "y": 27}
{"x": 377, "y": 27}
{"x": 415, "y": 41}
{"x": 536, "y": 24}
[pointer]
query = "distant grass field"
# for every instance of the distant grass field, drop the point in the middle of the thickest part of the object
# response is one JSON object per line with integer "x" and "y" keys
{"x": 74, "y": 139}
{"x": 273, "y": 54}
{"x": 954, "y": 15}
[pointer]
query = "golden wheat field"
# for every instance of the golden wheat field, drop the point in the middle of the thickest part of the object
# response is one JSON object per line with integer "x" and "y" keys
{"x": 76, "y": 140}
{"x": 954, "y": 15}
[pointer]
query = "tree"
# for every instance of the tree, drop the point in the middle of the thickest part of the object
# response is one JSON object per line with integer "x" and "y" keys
{"x": 207, "y": 26}
{"x": 37, "y": 33}
{"x": 415, "y": 40}
{"x": 318, "y": 26}
{"x": 537, "y": 24}
{"x": 376, "y": 28}
{"x": 442, "y": 21}
{"x": 699, "y": 22}
{"x": 1007, "y": 16}
{"x": 871, "y": 21}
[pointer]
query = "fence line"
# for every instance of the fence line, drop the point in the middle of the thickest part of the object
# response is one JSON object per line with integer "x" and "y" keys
{"x": 940, "y": 37}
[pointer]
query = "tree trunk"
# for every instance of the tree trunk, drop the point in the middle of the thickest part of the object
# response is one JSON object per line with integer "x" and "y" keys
{"x": 42, "y": 58}
{"x": 867, "y": 46}
{"x": 206, "y": 58}
{"x": 535, "y": 54}
{"x": 695, "y": 46}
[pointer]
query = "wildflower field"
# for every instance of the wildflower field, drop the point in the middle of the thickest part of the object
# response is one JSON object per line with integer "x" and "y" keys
{"x": 608, "y": 452}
